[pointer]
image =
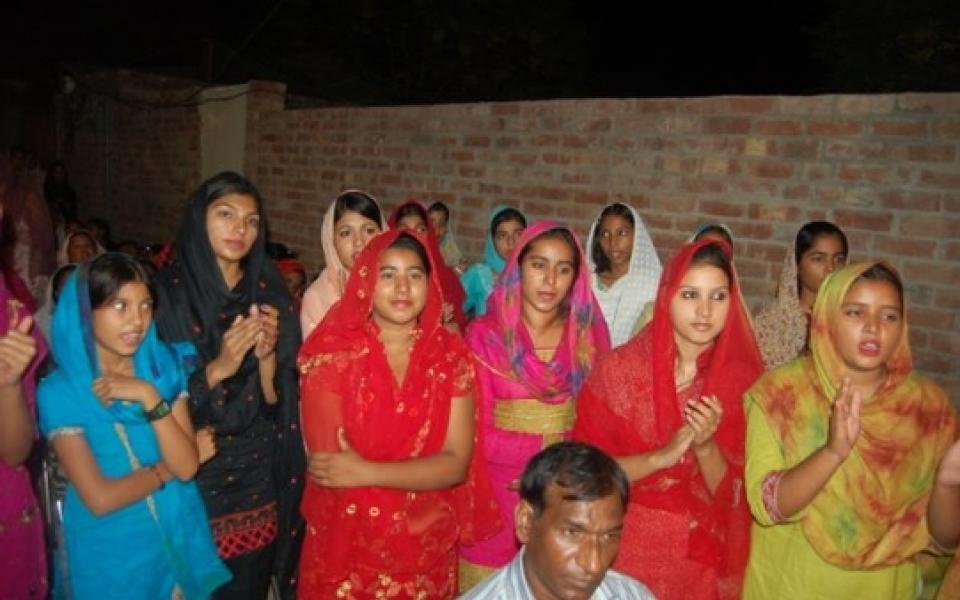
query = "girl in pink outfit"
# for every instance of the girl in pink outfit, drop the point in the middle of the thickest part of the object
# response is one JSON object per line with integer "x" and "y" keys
{"x": 542, "y": 333}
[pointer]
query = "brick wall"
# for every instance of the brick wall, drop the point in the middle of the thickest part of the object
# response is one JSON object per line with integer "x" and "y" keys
{"x": 885, "y": 168}
{"x": 135, "y": 155}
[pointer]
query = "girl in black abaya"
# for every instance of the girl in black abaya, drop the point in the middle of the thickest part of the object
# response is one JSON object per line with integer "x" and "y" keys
{"x": 228, "y": 305}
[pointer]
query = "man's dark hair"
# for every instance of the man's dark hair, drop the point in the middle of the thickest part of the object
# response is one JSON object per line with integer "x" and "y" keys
{"x": 585, "y": 473}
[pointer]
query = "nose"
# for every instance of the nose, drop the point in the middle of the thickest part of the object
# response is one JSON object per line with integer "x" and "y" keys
{"x": 704, "y": 308}
{"x": 403, "y": 284}
{"x": 589, "y": 557}
{"x": 870, "y": 323}
{"x": 358, "y": 240}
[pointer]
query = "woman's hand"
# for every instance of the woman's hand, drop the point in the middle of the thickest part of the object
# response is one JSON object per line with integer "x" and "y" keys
{"x": 17, "y": 350}
{"x": 344, "y": 469}
{"x": 266, "y": 340}
{"x": 844, "y": 420}
{"x": 206, "y": 444}
{"x": 236, "y": 342}
{"x": 703, "y": 416}
{"x": 132, "y": 389}
{"x": 671, "y": 454}
{"x": 949, "y": 471}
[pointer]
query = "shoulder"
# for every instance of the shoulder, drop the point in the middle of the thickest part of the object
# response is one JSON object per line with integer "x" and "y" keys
{"x": 493, "y": 587}
{"x": 617, "y": 586}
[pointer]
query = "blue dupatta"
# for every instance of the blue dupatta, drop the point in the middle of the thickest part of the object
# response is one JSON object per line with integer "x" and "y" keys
{"x": 150, "y": 548}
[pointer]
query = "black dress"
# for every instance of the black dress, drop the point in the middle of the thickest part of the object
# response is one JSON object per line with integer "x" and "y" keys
{"x": 252, "y": 486}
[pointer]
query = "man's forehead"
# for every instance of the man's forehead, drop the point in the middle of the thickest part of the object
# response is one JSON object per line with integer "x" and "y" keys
{"x": 560, "y": 501}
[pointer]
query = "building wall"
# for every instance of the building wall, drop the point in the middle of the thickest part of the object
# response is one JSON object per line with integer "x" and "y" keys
{"x": 883, "y": 167}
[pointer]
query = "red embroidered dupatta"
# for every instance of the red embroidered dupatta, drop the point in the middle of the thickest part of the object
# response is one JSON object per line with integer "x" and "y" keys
{"x": 347, "y": 382}
{"x": 629, "y": 405}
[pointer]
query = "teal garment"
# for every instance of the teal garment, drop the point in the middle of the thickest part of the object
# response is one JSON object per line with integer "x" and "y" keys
{"x": 148, "y": 549}
{"x": 478, "y": 280}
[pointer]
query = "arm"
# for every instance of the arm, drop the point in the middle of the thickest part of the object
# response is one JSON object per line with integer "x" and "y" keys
{"x": 801, "y": 484}
{"x": 704, "y": 416}
{"x": 104, "y": 495}
{"x": 639, "y": 466}
{"x": 943, "y": 513}
{"x": 265, "y": 350}
{"x": 445, "y": 469}
{"x": 17, "y": 430}
{"x": 175, "y": 435}
{"x": 17, "y": 427}
{"x": 268, "y": 370}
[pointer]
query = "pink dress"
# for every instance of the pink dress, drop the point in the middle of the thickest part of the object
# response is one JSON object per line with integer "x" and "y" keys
{"x": 23, "y": 562}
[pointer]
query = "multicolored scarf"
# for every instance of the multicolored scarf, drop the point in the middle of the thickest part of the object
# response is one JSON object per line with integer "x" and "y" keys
{"x": 872, "y": 511}
{"x": 507, "y": 347}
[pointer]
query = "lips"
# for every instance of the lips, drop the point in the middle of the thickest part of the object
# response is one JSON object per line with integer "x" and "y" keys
{"x": 703, "y": 327}
{"x": 401, "y": 304}
{"x": 234, "y": 244}
{"x": 131, "y": 338}
{"x": 869, "y": 348}
{"x": 547, "y": 296}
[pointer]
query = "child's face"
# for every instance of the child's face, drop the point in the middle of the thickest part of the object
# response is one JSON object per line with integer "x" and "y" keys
{"x": 120, "y": 324}
{"x": 439, "y": 222}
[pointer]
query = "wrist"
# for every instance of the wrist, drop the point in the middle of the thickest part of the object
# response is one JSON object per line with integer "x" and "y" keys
{"x": 835, "y": 457}
{"x": 705, "y": 449}
{"x": 214, "y": 373}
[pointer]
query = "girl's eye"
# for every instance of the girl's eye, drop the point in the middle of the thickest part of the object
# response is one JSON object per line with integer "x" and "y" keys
{"x": 372, "y": 231}
{"x": 892, "y": 317}
{"x": 565, "y": 270}
{"x": 253, "y": 222}
{"x": 344, "y": 233}
{"x": 720, "y": 296}
{"x": 225, "y": 214}
{"x": 119, "y": 305}
{"x": 688, "y": 294}
{"x": 852, "y": 312}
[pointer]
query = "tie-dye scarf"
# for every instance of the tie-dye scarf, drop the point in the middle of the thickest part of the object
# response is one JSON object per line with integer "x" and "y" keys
{"x": 872, "y": 511}
{"x": 508, "y": 348}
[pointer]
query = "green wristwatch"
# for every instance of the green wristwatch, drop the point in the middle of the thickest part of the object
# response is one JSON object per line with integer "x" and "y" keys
{"x": 158, "y": 412}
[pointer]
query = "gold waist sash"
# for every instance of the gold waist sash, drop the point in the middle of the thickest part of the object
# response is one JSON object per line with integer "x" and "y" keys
{"x": 529, "y": 415}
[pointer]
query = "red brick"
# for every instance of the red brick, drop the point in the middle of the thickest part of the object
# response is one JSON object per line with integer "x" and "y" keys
{"x": 932, "y": 153}
{"x": 775, "y": 170}
{"x": 774, "y": 212}
{"x": 940, "y": 179}
{"x": 721, "y": 208}
{"x": 729, "y": 125}
{"x": 947, "y": 298}
{"x": 865, "y": 104}
{"x": 936, "y": 227}
{"x": 578, "y": 141}
{"x": 929, "y": 103}
{"x": 933, "y": 272}
{"x": 946, "y": 129}
{"x": 657, "y": 106}
{"x": 778, "y": 127}
{"x": 594, "y": 197}
{"x": 798, "y": 149}
{"x": 806, "y": 105}
{"x": 900, "y": 128}
{"x": 471, "y": 171}
{"x": 950, "y": 251}
{"x": 931, "y": 317}
{"x": 840, "y": 128}
{"x": 900, "y": 246}
{"x": 862, "y": 219}
{"x": 523, "y": 158}
{"x": 874, "y": 174}
{"x": 902, "y": 200}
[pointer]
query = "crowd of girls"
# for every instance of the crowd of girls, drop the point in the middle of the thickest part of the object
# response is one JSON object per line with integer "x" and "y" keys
{"x": 230, "y": 429}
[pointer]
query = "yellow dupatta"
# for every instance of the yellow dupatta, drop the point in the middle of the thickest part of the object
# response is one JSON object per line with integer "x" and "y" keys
{"x": 872, "y": 511}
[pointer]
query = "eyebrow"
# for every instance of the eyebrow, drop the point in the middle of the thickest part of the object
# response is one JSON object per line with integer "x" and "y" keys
{"x": 864, "y": 304}
{"x": 227, "y": 204}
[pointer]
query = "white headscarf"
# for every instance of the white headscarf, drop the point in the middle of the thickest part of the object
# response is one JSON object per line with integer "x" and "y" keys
{"x": 623, "y": 302}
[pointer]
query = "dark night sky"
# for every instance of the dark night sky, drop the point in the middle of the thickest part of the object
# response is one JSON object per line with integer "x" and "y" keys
{"x": 405, "y": 51}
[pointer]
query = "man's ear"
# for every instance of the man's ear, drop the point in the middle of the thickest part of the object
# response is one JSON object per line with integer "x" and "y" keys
{"x": 523, "y": 517}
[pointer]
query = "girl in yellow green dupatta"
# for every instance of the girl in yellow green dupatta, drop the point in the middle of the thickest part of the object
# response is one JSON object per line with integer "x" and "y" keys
{"x": 852, "y": 467}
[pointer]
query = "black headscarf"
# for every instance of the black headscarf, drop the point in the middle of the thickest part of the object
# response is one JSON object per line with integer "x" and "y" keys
{"x": 195, "y": 305}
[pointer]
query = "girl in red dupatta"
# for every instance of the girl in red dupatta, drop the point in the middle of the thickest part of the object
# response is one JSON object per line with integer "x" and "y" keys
{"x": 412, "y": 215}
{"x": 388, "y": 419}
{"x": 667, "y": 405}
